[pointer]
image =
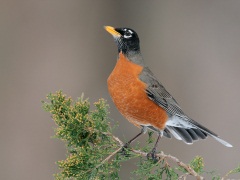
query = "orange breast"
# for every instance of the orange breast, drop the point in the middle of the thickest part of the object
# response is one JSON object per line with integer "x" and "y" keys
{"x": 128, "y": 94}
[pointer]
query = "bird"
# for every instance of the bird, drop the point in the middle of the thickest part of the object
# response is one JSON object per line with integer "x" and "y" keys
{"x": 143, "y": 100}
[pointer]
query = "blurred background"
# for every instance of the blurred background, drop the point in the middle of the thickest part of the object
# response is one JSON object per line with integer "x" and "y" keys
{"x": 191, "y": 46}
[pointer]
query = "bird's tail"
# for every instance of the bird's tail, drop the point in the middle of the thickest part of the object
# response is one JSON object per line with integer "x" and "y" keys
{"x": 210, "y": 133}
{"x": 225, "y": 143}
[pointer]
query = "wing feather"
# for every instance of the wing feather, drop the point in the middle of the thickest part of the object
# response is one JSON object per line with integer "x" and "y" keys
{"x": 180, "y": 125}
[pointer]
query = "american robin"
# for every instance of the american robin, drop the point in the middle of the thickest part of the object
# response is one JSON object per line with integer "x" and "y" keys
{"x": 143, "y": 100}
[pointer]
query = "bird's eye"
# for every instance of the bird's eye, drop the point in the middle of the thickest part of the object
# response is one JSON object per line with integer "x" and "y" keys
{"x": 127, "y": 35}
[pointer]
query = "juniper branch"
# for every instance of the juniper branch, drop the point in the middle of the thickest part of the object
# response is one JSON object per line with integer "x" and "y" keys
{"x": 92, "y": 149}
{"x": 161, "y": 155}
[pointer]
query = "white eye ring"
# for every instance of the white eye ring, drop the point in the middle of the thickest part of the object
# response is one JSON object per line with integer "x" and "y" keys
{"x": 127, "y": 36}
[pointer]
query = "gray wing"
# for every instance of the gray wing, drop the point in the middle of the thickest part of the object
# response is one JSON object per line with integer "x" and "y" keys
{"x": 179, "y": 124}
{"x": 157, "y": 93}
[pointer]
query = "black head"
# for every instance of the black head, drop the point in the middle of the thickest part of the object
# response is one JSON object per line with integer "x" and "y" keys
{"x": 127, "y": 39}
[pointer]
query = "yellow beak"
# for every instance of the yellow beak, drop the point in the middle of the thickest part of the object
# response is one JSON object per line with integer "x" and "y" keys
{"x": 112, "y": 31}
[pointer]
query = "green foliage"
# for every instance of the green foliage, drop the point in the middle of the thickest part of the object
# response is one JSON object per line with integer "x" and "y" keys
{"x": 86, "y": 136}
{"x": 94, "y": 153}
{"x": 197, "y": 164}
{"x": 234, "y": 171}
{"x": 151, "y": 170}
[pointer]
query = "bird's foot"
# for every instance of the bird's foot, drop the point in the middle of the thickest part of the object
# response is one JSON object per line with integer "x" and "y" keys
{"x": 153, "y": 155}
{"x": 125, "y": 150}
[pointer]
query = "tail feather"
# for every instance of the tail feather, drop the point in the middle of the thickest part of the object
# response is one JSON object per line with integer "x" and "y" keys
{"x": 173, "y": 132}
{"x": 200, "y": 134}
{"x": 192, "y": 133}
{"x": 221, "y": 141}
{"x": 188, "y": 132}
{"x": 186, "y": 137}
{"x": 167, "y": 133}
{"x": 181, "y": 134}
{"x": 210, "y": 133}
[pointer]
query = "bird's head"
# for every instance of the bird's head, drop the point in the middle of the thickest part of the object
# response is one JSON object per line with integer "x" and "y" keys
{"x": 127, "y": 39}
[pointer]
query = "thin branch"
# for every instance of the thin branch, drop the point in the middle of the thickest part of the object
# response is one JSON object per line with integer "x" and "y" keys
{"x": 107, "y": 158}
{"x": 162, "y": 155}
{"x": 183, "y": 177}
{"x": 226, "y": 175}
{"x": 118, "y": 140}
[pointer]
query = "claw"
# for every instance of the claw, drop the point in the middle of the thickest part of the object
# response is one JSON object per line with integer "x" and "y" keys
{"x": 152, "y": 155}
{"x": 124, "y": 150}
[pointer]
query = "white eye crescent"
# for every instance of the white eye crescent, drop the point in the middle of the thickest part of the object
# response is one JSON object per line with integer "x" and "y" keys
{"x": 128, "y": 33}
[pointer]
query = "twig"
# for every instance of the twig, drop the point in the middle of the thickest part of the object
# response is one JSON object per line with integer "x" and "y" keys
{"x": 162, "y": 155}
{"x": 184, "y": 176}
{"x": 118, "y": 140}
{"x": 226, "y": 175}
{"x": 107, "y": 158}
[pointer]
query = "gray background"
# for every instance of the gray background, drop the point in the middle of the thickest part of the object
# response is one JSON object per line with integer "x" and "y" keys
{"x": 191, "y": 46}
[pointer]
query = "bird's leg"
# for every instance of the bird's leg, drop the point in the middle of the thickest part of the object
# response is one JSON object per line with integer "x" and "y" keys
{"x": 153, "y": 152}
{"x": 143, "y": 131}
